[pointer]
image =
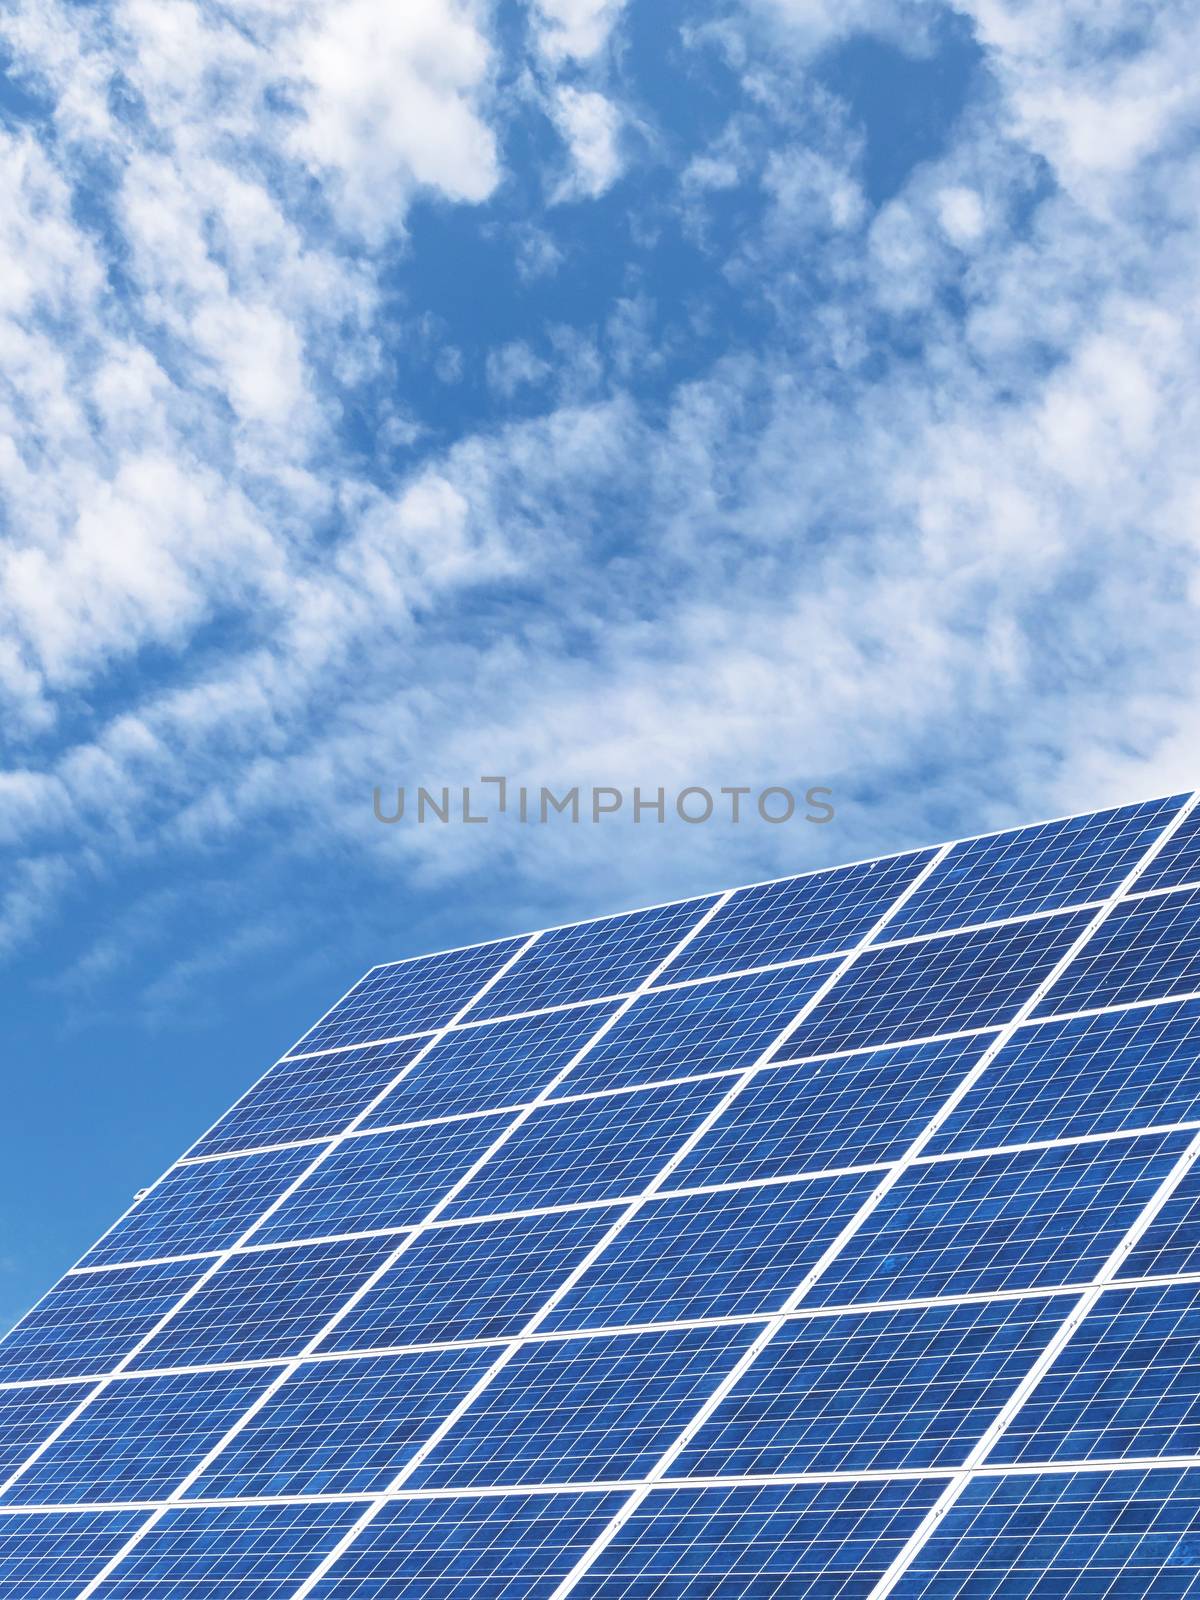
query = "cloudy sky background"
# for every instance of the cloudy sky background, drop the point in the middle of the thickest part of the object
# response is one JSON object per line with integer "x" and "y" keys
{"x": 738, "y": 391}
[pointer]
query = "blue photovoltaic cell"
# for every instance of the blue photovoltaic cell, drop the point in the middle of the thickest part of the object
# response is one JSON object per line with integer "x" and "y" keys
{"x": 592, "y": 960}
{"x": 733, "y": 1253}
{"x": 798, "y": 917}
{"x": 1024, "y": 1219}
{"x": 53, "y": 1557}
{"x": 89, "y": 1320}
{"x": 408, "y": 996}
{"x": 942, "y": 985}
{"x": 497, "y": 1064}
{"x": 501, "y": 1547}
{"x": 1043, "y": 868}
{"x": 138, "y": 1437}
{"x": 1128, "y": 1535}
{"x": 1146, "y": 950}
{"x": 383, "y": 1180}
{"x": 343, "y": 1427}
{"x": 1172, "y": 1241}
{"x": 805, "y": 1541}
{"x": 1029, "y": 1184}
{"x": 836, "y": 1112}
{"x": 310, "y": 1098}
{"x": 1084, "y": 1075}
{"x": 1127, "y": 1384}
{"x": 583, "y": 1410}
{"x": 720, "y": 1026}
{"x": 205, "y": 1205}
{"x": 228, "y": 1553}
{"x": 266, "y": 1304}
{"x": 477, "y": 1280}
{"x": 876, "y": 1391}
{"x": 29, "y": 1416}
{"x": 579, "y": 1150}
{"x": 1178, "y": 862}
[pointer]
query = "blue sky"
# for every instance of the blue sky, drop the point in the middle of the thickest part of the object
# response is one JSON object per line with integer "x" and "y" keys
{"x": 730, "y": 392}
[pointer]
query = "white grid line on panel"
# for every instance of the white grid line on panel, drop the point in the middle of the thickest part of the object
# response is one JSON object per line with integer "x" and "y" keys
{"x": 736, "y": 972}
{"x": 359, "y": 1044}
{"x": 413, "y": 1233}
{"x": 802, "y": 1313}
{"x": 769, "y": 1332}
{"x": 224, "y": 1256}
{"x": 789, "y": 877}
{"x": 1066, "y": 1330}
{"x": 828, "y": 956}
{"x": 138, "y": 1261}
{"x": 213, "y": 1156}
{"x": 1157, "y": 894}
{"x": 251, "y": 1364}
{"x": 778, "y": 1180}
{"x": 653, "y": 1188}
{"x": 1058, "y": 1342}
{"x": 616, "y": 1330}
{"x": 785, "y": 1061}
{"x": 1060, "y": 1143}
{"x": 987, "y": 927}
{"x": 1030, "y": 1469}
{"x": 467, "y": 1023}
{"x": 705, "y": 979}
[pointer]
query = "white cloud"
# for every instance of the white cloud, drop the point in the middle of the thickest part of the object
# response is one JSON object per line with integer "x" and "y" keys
{"x": 961, "y": 214}
{"x": 590, "y": 125}
{"x": 828, "y": 556}
{"x": 448, "y": 364}
{"x": 392, "y": 99}
{"x": 537, "y": 254}
{"x": 183, "y": 438}
{"x": 1094, "y": 89}
{"x": 811, "y": 191}
{"x": 806, "y": 27}
{"x": 31, "y": 890}
{"x": 515, "y": 366}
{"x": 575, "y": 29}
{"x": 710, "y": 172}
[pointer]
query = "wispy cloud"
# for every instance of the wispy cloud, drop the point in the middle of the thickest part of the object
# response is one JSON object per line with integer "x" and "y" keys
{"x": 915, "y": 519}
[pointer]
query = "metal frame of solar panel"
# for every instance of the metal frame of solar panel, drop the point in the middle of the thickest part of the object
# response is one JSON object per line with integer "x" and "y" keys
{"x": 836, "y": 1236}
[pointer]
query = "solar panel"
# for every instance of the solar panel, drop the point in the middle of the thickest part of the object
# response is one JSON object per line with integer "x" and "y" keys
{"x": 471, "y": 1280}
{"x": 342, "y": 1427}
{"x": 52, "y": 1556}
{"x": 1088, "y": 1075}
{"x": 1082, "y": 1533}
{"x": 312, "y": 1097}
{"x": 722, "y": 1253}
{"x": 1013, "y": 1220}
{"x": 200, "y": 1207}
{"x": 200, "y": 1551}
{"x": 836, "y": 1236}
{"x": 261, "y": 1305}
{"x": 505, "y": 1547}
{"x": 1128, "y": 1384}
{"x": 89, "y": 1320}
{"x": 137, "y": 1438}
{"x": 873, "y": 1391}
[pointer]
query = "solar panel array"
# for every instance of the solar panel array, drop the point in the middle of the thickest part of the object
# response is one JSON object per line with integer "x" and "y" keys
{"x": 837, "y": 1236}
